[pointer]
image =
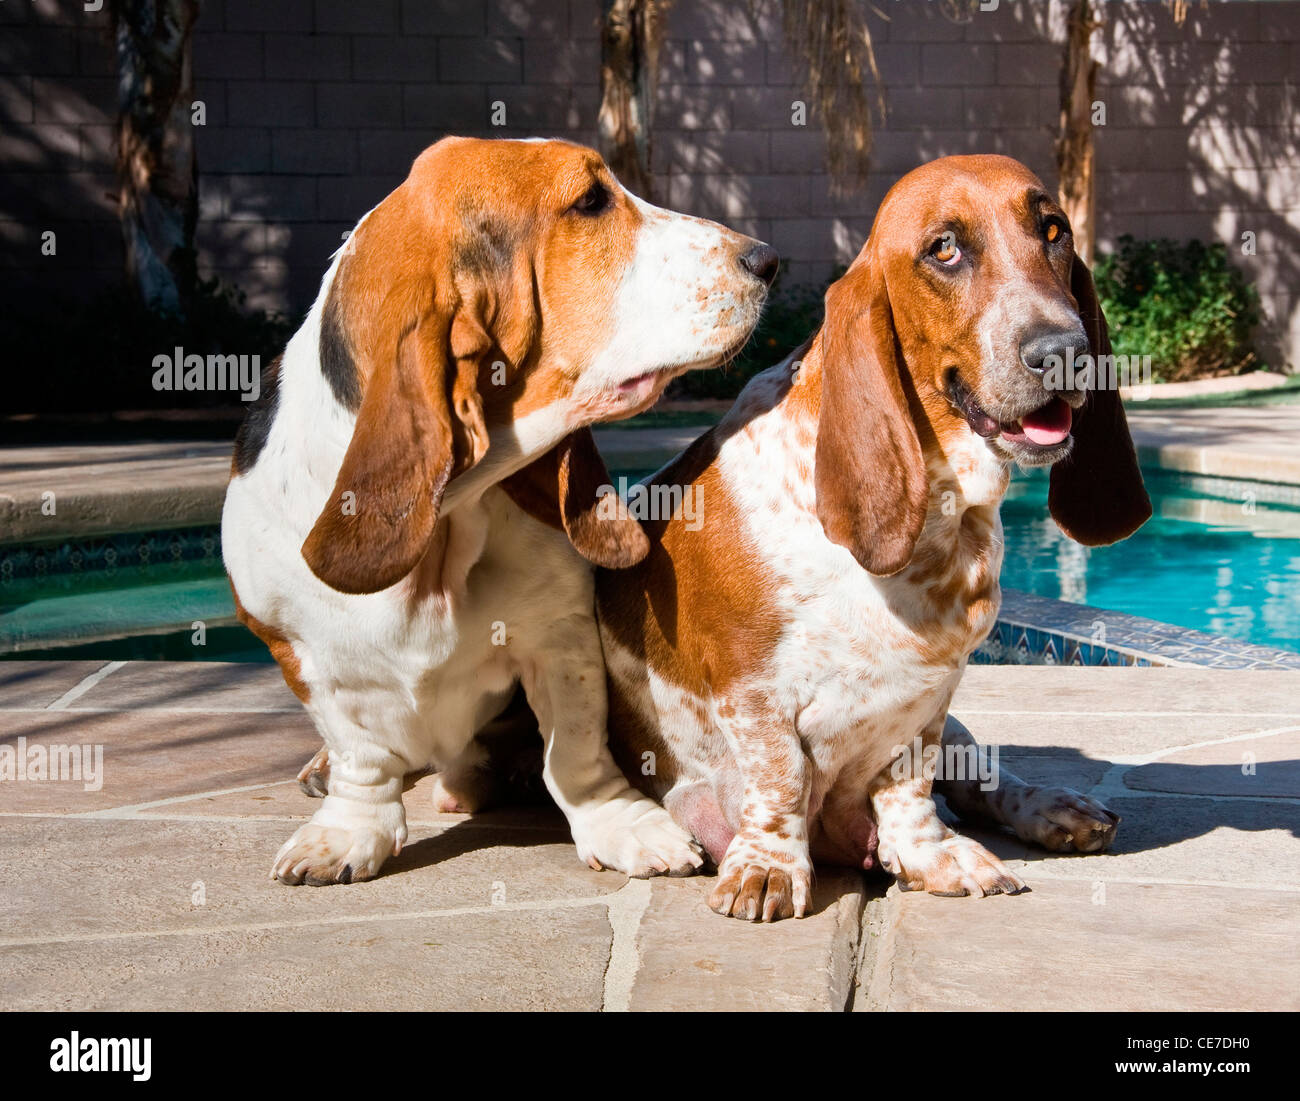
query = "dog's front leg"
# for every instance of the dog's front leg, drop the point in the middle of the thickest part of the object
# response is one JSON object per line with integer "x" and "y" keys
{"x": 916, "y": 846}
{"x": 360, "y": 823}
{"x": 613, "y": 824}
{"x": 767, "y": 871}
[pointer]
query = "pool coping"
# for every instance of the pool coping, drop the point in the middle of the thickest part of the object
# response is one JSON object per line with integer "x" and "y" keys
{"x": 105, "y": 489}
{"x": 67, "y": 492}
{"x": 1220, "y": 462}
{"x": 1038, "y": 630}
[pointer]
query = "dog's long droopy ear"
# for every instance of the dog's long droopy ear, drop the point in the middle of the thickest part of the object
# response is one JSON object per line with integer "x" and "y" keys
{"x": 419, "y": 421}
{"x": 1096, "y": 495}
{"x": 870, "y": 477}
{"x": 563, "y": 489}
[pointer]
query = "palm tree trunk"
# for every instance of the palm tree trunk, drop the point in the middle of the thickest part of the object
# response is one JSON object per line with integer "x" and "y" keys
{"x": 1074, "y": 145}
{"x": 629, "y": 60}
{"x": 156, "y": 167}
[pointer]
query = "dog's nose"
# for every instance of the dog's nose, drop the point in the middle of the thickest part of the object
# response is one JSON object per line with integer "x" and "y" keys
{"x": 1053, "y": 347}
{"x": 761, "y": 260}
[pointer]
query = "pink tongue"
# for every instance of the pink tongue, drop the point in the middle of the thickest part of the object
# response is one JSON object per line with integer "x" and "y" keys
{"x": 1048, "y": 425}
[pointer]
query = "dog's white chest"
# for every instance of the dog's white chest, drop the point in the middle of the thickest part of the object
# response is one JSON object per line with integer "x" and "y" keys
{"x": 858, "y": 651}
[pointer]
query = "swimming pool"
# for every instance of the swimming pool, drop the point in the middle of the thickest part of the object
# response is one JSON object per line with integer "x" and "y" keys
{"x": 1222, "y": 557}
{"x": 1215, "y": 556}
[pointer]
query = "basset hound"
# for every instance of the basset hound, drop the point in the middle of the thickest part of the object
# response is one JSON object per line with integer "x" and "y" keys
{"x": 505, "y": 297}
{"x": 776, "y": 664}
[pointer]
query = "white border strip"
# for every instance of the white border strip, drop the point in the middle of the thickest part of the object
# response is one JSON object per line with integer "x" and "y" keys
{"x": 85, "y": 685}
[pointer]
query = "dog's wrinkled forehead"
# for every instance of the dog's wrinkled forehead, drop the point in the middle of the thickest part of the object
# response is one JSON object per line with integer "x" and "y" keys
{"x": 492, "y": 197}
{"x": 502, "y": 173}
{"x": 965, "y": 194}
{"x": 487, "y": 241}
{"x": 493, "y": 205}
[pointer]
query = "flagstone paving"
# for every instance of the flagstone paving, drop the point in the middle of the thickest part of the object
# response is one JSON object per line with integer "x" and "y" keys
{"x": 150, "y": 890}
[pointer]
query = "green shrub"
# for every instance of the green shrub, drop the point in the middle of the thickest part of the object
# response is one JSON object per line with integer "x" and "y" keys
{"x": 97, "y": 356}
{"x": 790, "y": 317}
{"x": 1184, "y": 305}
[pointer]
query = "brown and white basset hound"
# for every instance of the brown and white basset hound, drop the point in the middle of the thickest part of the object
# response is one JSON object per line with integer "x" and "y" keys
{"x": 773, "y": 663}
{"x": 505, "y": 297}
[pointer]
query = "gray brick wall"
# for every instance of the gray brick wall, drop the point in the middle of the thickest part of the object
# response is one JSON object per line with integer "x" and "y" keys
{"x": 315, "y": 109}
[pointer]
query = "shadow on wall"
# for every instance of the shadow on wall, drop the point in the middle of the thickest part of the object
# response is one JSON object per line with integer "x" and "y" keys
{"x": 1200, "y": 137}
{"x": 1223, "y": 159}
{"x": 91, "y": 343}
{"x": 57, "y": 100}
{"x": 1199, "y": 141}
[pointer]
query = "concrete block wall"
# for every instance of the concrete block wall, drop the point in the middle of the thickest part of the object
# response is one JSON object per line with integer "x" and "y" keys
{"x": 1202, "y": 132}
{"x": 315, "y": 109}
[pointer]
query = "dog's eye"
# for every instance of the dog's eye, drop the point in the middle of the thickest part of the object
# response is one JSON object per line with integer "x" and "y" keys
{"x": 945, "y": 250}
{"x": 594, "y": 200}
{"x": 1053, "y": 230}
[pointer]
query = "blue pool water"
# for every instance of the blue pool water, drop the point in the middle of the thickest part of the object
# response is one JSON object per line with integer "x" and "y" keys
{"x": 1216, "y": 557}
{"x": 1222, "y": 561}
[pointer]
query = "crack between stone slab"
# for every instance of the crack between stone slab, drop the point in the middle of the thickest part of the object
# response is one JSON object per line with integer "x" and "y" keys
{"x": 84, "y": 685}
{"x": 1056, "y": 714}
{"x": 875, "y": 963}
{"x": 1145, "y": 881}
{"x": 1107, "y": 788}
{"x": 1157, "y": 754}
{"x": 308, "y": 923}
{"x": 144, "y": 710}
{"x": 857, "y": 949}
{"x": 131, "y": 810}
{"x": 1112, "y": 783}
{"x": 113, "y": 815}
{"x": 626, "y": 908}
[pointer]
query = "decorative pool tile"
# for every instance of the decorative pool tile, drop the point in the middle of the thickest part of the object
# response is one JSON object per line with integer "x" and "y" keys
{"x": 1233, "y": 489}
{"x": 1030, "y": 630}
{"x": 108, "y": 553}
{"x": 1036, "y": 630}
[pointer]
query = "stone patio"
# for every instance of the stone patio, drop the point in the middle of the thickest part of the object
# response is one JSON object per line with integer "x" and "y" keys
{"x": 152, "y": 892}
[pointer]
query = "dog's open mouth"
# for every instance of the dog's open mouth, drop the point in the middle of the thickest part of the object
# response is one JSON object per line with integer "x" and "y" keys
{"x": 645, "y": 384}
{"x": 641, "y": 383}
{"x": 636, "y": 395}
{"x": 1042, "y": 429}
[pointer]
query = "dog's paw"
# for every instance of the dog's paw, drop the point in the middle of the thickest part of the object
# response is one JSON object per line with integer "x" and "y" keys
{"x": 319, "y": 855}
{"x": 1064, "y": 820}
{"x": 638, "y": 838}
{"x": 314, "y": 779}
{"x": 955, "y": 865}
{"x": 757, "y": 883}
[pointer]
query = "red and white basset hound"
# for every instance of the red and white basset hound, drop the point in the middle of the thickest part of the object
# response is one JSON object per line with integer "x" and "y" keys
{"x": 505, "y": 297}
{"x": 775, "y": 663}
